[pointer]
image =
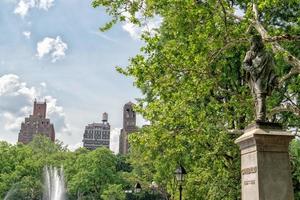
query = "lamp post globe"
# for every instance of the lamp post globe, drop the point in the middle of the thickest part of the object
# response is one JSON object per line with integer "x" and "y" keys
{"x": 180, "y": 175}
{"x": 137, "y": 188}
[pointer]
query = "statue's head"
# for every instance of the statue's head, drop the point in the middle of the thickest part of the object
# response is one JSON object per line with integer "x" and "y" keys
{"x": 256, "y": 42}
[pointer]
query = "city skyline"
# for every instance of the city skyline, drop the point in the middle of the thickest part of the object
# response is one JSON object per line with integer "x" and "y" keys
{"x": 53, "y": 50}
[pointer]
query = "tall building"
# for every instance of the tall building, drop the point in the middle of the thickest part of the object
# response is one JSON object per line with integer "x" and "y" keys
{"x": 97, "y": 134}
{"x": 129, "y": 126}
{"x": 37, "y": 123}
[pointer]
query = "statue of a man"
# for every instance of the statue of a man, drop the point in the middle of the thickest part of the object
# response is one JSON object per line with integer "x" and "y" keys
{"x": 259, "y": 65}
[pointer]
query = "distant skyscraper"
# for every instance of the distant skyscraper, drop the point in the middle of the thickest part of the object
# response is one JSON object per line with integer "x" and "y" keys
{"x": 36, "y": 124}
{"x": 129, "y": 126}
{"x": 97, "y": 134}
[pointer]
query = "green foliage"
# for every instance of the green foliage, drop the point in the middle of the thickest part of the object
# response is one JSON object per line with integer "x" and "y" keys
{"x": 189, "y": 72}
{"x": 145, "y": 195}
{"x": 295, "y": 162}
{"x": 22, "y": 167}
{"x": 195, "y": 90}
{"x": 123, "y": 164}
{"x": 91, "y": 173}
{"x": 97, "y": 174}
{"x": 88, "y": 174}
{"x": 113, "y": 192}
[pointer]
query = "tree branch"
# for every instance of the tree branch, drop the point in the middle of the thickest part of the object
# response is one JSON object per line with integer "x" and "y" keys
{"x": 291, "y": 101}
{"x": 292, "y": 72}
{"x": 255, "y": 11}
{"x": 287, "y": 108}
{"x": 229, "y": 45}
{"x": 276, "y": 47}
{"x": 285, "y": 37}
{"x": 288, "y": 57}
{"x": 225, "y": 14}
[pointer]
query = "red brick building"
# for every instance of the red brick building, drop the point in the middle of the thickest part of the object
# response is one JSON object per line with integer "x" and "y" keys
{"x": 129, "y": 126}
{"x": 37, "y": 123}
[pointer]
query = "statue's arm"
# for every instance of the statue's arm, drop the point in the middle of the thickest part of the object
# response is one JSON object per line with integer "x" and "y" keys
{"x": 247, "y": 63}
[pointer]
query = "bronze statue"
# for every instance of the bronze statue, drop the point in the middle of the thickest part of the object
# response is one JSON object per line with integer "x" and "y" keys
{"x": 259, "y": 65}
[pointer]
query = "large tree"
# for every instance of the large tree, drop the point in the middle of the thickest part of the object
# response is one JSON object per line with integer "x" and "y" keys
{"x": 88, "y": 174}
{"x": 195, "y": 92}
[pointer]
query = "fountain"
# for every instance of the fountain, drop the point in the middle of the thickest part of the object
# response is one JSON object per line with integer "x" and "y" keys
{"x": 54, "y": 184}
{"x": 9, "y": 193}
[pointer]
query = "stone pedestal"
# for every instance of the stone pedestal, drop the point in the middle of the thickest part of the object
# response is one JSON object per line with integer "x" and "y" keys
{"x": 265, "y": 164}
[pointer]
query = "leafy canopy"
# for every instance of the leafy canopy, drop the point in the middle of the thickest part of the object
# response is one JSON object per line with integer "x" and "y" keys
{"x": 195, "y": 92}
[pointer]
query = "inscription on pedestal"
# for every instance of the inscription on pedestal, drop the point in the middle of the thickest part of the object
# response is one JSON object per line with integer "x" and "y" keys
{"x": 249, "y": 170}
{"x": 251, "y": 182}
{"x": 249, "y": 175}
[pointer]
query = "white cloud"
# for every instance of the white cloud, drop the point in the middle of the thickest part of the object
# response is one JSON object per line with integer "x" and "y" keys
{"x": 45, "y": 4}
{"x": 10, "y": 85}
{"x": 56, "y": 48}
{"x": 16, "y": 102}
{"x": 57, "y": 115}
{"x": 102, "y": 35}
{"x": 24, "y": 6}
{"x": 12, "y": 122}
{"x": 43, "y": 84}
{"x": 73, "y": 147}
{"x": 114, "y": 140}
{"x": 27, "y": 34}
{"x": 133, "y": 30}
{"x": 148, "y": 26}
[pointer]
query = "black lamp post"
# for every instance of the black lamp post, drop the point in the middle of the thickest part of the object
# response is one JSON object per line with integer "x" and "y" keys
{"x": 179, "y": 174}
{"x": 137, "y": 187}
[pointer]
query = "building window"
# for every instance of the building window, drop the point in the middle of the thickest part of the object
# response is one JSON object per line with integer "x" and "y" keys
{"x": 97, "y": 135}
{"x": 105, "y": 135}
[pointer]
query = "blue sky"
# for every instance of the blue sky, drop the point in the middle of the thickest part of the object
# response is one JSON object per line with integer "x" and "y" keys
{"x": 73, "y": 68}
